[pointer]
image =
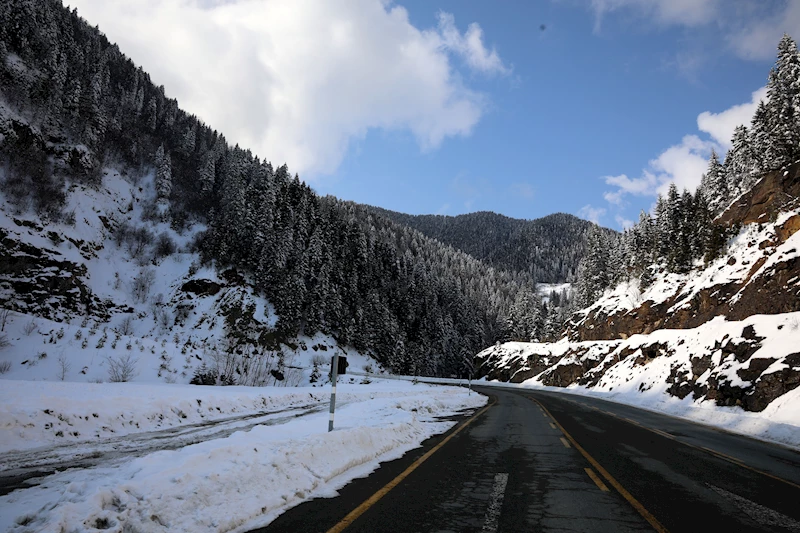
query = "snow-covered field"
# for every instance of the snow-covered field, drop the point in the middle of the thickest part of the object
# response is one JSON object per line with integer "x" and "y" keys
{"x": 228, "y": 483}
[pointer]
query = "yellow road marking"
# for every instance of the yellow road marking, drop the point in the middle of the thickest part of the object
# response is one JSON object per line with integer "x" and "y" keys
{"x": 614, "y": 483}
{"x": 564, "y": 442}
{"x": 372, "y": 500}
{"x": 552, "y": 425}
{"x": 597, "y": 480}
{"x": 720, "y": 455}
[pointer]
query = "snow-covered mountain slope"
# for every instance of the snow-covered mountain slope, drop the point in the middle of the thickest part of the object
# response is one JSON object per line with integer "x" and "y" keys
{"x": 758, "y": 274}
{"x": 726, "y": 334}
{"x": 114, "y": 291}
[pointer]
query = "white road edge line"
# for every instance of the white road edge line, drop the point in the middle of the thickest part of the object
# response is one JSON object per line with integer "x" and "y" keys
{"x": 495, "y": 503}
{"x": 759, "y": 513}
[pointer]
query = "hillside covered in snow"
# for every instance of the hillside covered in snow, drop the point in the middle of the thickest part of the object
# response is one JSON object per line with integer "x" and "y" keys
{"x": 700, "y": 301}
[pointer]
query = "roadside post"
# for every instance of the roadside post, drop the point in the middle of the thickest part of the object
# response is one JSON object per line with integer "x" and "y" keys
{"x": 338, "y": 366}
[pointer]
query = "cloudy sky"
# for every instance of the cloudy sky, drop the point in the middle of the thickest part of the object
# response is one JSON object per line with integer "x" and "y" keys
{"x": 525, "y": 108}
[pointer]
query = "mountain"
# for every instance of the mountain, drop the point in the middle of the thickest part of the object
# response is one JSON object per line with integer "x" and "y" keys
{"x": 124, "y": 214}
{"x": 548, "y": 249}
{"x": 699, "y": 300}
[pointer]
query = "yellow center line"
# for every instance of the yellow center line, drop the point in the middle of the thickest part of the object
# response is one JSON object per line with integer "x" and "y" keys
{"x": 372, "y": 500}
{"x": 597, "y": 480}
{"x": 720, "y": 455}
{"x": 608, "y": 477}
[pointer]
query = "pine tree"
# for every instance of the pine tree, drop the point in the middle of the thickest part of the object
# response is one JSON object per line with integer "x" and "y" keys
{"x": 716, "y": 183}
{"x": 163, "y": 174}
{"x": 739, "y": 163}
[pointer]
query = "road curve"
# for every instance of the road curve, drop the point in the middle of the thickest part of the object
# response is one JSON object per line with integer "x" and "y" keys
{"x": 539, "y": 461}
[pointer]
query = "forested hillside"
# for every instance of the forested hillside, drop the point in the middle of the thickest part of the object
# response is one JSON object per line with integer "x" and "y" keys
{"x": 682, "y": 232}
{"x": 548, "y": 249}
{"x": 701, "y": 298}
{"x": 73, "y": 105}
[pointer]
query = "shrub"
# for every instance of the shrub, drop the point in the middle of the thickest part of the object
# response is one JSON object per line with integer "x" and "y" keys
{"x": 5, "y": 367}
{"x": 122, "y": 368}
{"x": 30, "y": 327}
{"x": 204, "y": 376}
{"x": 164, "y": 247}
{"x": 126, "y": 326}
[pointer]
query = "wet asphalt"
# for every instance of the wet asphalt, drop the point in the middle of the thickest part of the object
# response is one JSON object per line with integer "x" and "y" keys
{"x": 517, "y": 468}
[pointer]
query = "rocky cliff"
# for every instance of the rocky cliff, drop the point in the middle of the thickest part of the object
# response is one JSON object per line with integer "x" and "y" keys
{"x": 726, "y": 332}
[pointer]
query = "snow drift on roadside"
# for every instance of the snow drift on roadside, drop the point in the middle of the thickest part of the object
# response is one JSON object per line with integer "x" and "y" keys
{"x": 244, "y": 480}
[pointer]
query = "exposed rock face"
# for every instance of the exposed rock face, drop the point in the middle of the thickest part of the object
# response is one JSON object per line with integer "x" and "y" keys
{"x": 722, "y": 362}
{"x": 768, "y": 281}
{"x": 33, "y": 280}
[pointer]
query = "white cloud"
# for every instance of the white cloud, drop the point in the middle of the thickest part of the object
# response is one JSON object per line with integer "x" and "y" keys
{"x": 591, "y": 213}
{"x": 721, "y": 125}
{"x": 470, "y": 46}
{"x": 623, "y": 222}
{"x": 297, "y": 80}
{"x": 666, "y": 12}
{"x": 684, "y": 163}
{"x": 758, "y": 37}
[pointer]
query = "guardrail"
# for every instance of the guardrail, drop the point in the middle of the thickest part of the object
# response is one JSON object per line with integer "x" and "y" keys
{"x": 463, "y": 382}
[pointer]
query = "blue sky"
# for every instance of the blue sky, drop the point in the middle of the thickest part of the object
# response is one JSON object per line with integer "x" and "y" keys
{"x": 523, "y": 108}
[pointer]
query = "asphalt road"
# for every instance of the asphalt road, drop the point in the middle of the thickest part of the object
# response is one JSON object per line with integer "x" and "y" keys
{"x": 547, "y": 462}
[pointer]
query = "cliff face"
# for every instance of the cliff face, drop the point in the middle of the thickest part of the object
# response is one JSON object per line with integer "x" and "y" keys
{"x": 726, "y": 332}
{"x": 758, "y": 274}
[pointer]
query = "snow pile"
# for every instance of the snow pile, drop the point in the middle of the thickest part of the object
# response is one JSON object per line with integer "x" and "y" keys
{"x": 36, "y": 414}
{"x": 739, "y": 375}
{"x": 246, "y": 479}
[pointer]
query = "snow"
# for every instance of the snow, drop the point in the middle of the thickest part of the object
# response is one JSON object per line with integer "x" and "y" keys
{"x": 163, "y": 348}
{"x": 624, "y": 380}
{"x": 234, "y": 483}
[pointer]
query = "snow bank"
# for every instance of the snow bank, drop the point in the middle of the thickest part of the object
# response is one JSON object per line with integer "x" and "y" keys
{"x": 704, "y": 365}
{"x": 238, "y": 482}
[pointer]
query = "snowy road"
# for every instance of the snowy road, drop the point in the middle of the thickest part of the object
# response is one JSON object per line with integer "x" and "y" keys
{"x": 546, "y": 462}
{"x": 21, "y": 469}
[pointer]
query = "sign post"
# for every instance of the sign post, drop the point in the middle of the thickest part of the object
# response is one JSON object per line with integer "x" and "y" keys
{"x": 338, "y": 366}
{"x": 334, "y": 376}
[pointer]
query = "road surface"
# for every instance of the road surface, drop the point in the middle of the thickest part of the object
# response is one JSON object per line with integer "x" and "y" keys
{"x": 549, "y": 462}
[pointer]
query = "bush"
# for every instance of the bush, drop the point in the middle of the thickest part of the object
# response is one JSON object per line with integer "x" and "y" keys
{"x": 126, "y": 326}
{"x": 30, "y": 327}
{"x": 122, "y": 368}
{"x": 204, "y": 376}
{"x": 5, "y": 367}
{"x": 165, "y": 246}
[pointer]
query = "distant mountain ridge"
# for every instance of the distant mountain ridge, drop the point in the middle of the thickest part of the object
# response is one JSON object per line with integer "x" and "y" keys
{"x": 548, "y": 249}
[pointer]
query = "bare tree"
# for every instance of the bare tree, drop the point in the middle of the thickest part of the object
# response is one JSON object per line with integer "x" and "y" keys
{"x": 63, "y": 367}
{"x": 30, "y": 327}
{"x": 126, "y": 326}
{"x": 122, "y": 368}
{"x": 4, "y": 318}
{"x": 142, "y": 284}
{"x": 4, "y": 342}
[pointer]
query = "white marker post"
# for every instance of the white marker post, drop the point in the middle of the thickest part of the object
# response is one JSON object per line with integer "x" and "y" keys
{"x": 334, "y": 376}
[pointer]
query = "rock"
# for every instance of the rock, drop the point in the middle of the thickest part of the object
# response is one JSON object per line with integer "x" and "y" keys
{"x": 201, "y": 287}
